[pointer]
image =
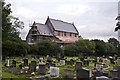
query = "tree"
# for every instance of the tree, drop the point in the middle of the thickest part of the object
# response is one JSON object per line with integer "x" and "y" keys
{"x": 118, "y": 23}
{"x": 10, "y": 25}
{"x": 46, "y": 47}
{"x": 14, "y": 47}
{"x": 71, "y": 50}
{"x": 100, "y": 47}
{"x": 86, "y": 47}
{"x": 111, "y": 50}
{"x": 12, "y": 44}
{"x": 114, "y": 42}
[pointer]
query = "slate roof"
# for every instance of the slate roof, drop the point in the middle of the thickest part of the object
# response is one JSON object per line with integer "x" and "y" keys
{"x": 44, "y": 29}
{"x": 63, "y": 26}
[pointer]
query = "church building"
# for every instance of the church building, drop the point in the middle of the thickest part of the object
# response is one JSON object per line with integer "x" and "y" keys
{"x": 53, "y": 30}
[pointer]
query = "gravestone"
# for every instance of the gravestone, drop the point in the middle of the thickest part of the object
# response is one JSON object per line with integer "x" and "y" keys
{"x": 67, "y": 73}
{"x": 116, "y": 68}
{"x": 106, "y": 62}
{"x": 102, "y": 78}
{"x": 62, "y": 62}
{"x": 54, "y": 71}
{"x": 7, "y": 63}
{"x": 98, "y": 66}
{"x": 42, "y": 69}
{"x": 114, "y": 74}
{"x": 78, "y": 65}
{"x": 82, "y": 74}
{"x": 32, "y": 66}
{"x": 13, "y": 63}
{"x": 49, "y": 59}
{"x": 90, "y": 72}
{"x": 25, "y": 62}
{"x": 98, "y": 74}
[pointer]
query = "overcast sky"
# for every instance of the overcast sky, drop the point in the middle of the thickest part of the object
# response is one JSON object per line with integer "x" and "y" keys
{"x": 94, "y": 19}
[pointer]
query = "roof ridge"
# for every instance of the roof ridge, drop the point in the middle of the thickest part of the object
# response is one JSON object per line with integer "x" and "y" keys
{"x": 61, "y": 21}
{"x": 40, "y": 23}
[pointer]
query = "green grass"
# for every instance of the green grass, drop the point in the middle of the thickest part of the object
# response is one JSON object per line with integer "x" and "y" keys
{"x": 9, "y": 75}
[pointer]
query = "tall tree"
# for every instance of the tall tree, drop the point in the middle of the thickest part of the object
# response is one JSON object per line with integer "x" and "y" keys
{"x": 114, "y": 42}
{"x": 10, "y": 25}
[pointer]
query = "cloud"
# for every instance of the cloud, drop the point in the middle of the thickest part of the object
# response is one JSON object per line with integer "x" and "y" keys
{"x": 93, "y": 19}
{"x": 73, "y": 9}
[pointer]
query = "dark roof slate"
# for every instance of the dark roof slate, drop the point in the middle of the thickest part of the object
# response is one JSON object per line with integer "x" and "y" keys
{"x": 44, "y": 29}
{"x": 63, "y": 26}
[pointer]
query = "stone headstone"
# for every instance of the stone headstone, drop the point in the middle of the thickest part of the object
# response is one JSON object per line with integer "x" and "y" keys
{"x": 98, "y": 66}
{"x": 49, "y": 59}
{"x": 54, "y": 71}
{"x": 116, "y": 68}
{"x": 42, "y": 69}
{"x": 102, "y": 78}
{"x": 98, "y": 74}
{"x": 106, "y": 62}
{"x": 67, "y": 73}
{"x": 82, "y": 74}
{"x": 32, "y": 66}
{"x": 25, "y": 62}
{"x": 90, "y": 73}
{"x": 7, "y": 63}
{"x": 114, "y": 74}
{"x": 62, "y": 62}
{"x": 78, "y": 65}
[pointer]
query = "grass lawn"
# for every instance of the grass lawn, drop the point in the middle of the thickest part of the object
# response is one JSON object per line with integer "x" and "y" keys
{"x": 9, "y": 75}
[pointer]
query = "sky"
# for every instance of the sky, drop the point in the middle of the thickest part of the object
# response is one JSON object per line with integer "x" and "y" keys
{"x": 94, "y": 19}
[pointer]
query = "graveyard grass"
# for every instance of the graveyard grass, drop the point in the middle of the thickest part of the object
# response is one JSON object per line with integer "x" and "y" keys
{"x": 6, "y": 74}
